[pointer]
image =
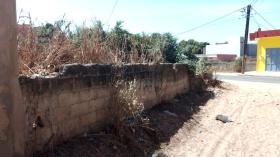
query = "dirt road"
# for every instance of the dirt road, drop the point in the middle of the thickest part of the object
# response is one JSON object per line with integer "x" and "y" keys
{"x": 255, "y": 110}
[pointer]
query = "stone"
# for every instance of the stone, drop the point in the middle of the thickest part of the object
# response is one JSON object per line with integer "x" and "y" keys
{"x": 223, "y": 118}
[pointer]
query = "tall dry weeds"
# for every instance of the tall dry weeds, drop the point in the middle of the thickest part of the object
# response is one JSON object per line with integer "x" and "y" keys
{"x": 126, "y": 112}
{"x": 126, "y": 103}
{"x": 47, "y": 47}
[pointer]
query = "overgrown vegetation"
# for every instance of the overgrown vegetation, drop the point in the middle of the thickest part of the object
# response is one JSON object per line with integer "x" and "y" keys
{"x": 127, "y": 118}
{"x": 238, "y": 64}
{"x": 202, "y": 67}
{"x": 125, "y": 104}
{"x": 42, "y": 49}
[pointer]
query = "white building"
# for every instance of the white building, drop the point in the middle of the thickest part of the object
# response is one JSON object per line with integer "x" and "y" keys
{"x": 229, "y": 49}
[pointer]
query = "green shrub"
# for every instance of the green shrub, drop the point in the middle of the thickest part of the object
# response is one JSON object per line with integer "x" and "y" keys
{"x": 238, "y": 64}
{"x": 189, "y": 59}
{"x": 202, "y": 67}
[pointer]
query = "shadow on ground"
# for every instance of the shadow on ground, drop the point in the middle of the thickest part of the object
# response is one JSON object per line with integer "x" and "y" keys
{"x": 164, "y": 120}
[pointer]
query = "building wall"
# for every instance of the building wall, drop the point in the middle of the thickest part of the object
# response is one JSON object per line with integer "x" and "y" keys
{"x": 232, "y": 48}
{"x": 80, "y": 97}
{"x": 263, "y": 44}
{"x": 11, "y": 108}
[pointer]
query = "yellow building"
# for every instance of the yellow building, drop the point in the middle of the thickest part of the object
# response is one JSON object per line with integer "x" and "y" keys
{"x": 268, "y": 50}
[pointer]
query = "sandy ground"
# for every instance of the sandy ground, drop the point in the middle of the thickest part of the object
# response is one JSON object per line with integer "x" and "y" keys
{"x": 255, "y": 110}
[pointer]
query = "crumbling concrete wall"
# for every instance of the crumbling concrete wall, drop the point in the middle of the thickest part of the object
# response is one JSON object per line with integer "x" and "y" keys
{"x": 78, "y": 98}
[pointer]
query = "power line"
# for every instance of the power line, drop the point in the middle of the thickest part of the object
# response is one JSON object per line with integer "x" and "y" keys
{"x": 265, "y": 20}
{"x": 210, "y": 22}
{"x": 256, "y": 22}
{"x": 112, "y": 11}
{"x": 253, "y": 2}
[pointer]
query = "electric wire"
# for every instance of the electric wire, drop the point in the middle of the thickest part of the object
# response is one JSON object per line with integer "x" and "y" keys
{"x": 263, "y": 18}
{"x": 112, "y": 11}
{"x": 256, "y": 22}
{"x": 253, "y": 2}
{"x": 210, "y": 22}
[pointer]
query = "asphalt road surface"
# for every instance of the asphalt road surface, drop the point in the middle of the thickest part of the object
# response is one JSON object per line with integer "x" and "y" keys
{"x": 263, "y": 79}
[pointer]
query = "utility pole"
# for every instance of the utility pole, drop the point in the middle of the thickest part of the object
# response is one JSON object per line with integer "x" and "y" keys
{"x": 245, "y": 42}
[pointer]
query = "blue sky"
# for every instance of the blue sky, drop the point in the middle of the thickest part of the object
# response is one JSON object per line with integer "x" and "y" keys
{"x": 173, "y": 16}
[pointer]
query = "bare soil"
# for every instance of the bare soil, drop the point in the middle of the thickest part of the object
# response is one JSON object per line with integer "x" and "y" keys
{"x": 255, "y": 110}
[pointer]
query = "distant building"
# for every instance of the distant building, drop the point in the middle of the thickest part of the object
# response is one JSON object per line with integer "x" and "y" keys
{"x": 229, "y": 50}
{"x": 268, "y": 51}
{"x": 23, "y": 28}
{"x": 252, "y": 48}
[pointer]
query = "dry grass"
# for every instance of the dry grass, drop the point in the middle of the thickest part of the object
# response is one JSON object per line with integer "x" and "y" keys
{"x": 44, "y": 54}
{"x": 126, "y": 102}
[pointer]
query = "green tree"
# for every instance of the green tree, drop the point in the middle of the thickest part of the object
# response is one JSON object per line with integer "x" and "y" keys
{"x": 120, "y": 38}
{"x": 46, "y": 31}
{"x": 170, "y": 48}
{"x": 98, "y": 31}
{"x": 192, "y": 46}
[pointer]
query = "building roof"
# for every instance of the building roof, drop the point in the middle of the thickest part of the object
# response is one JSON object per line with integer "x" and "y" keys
{"x": 24, "y": 27}
{"x": 267, "y": 33}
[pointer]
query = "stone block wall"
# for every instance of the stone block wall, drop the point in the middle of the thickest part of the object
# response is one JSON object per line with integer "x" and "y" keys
{"x": 230, "y": 66}
{"x": 78, "y": 98}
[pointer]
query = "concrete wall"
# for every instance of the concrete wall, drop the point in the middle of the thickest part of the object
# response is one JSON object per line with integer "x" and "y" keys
{"x": 79, "y": 97}
{"x": 11, "y": 109}
{"x": 231, "y": 67}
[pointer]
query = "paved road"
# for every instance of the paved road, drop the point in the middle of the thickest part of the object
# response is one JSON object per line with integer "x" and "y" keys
{"x": 263, "y": 79}
{"x": 254, "y": 109}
